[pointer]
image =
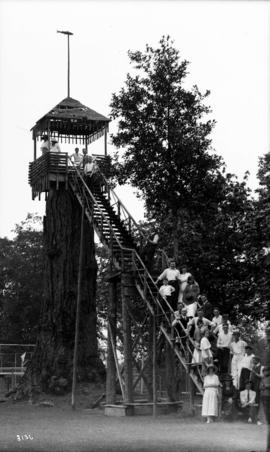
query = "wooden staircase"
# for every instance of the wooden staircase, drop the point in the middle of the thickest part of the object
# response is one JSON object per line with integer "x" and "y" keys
{"x": 120, "y": 233}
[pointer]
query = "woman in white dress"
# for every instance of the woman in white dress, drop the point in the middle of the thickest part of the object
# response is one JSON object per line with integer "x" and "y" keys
{"x": 184, "y": 275}
{"x": 211, "y": 386}
{"x": 205, "y": 346}
{"x": 238, "y": 351}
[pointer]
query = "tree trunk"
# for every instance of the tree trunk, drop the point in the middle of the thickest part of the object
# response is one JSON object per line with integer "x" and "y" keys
{"x": 51, "y": 366}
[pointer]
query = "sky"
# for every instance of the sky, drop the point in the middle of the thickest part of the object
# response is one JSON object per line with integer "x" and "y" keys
{"x": 226, "y": 43}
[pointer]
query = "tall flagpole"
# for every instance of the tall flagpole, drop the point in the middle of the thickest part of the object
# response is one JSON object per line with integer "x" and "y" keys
{"x": 68, "y": 33}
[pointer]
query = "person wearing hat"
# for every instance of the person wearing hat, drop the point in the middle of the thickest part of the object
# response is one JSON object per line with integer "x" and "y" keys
{"x": 245, "y": 367}
{"x": 55, "y": 146}
{"x": 210, "y": 401}
{"x": 45, "y": 145}
{"x": 238, "y": 350}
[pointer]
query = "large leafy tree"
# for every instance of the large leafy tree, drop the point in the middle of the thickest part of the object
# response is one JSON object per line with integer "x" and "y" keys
{"x": 164, "y": 149}
{"x": 21, "y": 282}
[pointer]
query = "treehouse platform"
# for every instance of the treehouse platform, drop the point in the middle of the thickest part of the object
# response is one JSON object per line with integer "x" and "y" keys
{"x": 69, "y": 122}
{"x": 54, "y": 169}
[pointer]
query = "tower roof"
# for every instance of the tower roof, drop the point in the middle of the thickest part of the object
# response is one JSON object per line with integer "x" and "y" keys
{"x": 71, "y": 119}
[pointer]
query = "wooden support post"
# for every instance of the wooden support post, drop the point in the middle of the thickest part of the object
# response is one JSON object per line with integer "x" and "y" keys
{"x": 75, "y": 354}
{"x": 111, "y": 365}
{"x": 35, "y": 147}
{"x": 154, "y": 382}
{"x": 125, "y": 283}
{"x": 105, "y": 142}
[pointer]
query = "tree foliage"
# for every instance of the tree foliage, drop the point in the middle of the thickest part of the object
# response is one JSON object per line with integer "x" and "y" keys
{"x": 21, "y": 282}
{"x": 164, "y": 149}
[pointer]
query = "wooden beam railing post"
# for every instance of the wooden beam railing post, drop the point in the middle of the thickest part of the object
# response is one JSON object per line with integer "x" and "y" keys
{"x": 111, "y": 364}
{"x": 127, "y": 339}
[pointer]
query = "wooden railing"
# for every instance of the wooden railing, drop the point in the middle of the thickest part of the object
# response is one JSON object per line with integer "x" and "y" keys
{"x": 147, "y": 288}
{"x": 50, "y": 166}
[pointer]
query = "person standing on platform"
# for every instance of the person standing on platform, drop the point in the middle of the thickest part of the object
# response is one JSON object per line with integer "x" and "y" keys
{"x": 173, "y": 276}
{"x": 45, "y": 146}
{"x": 210, "y": 402}
{"x": 77, "y": 158}
{"x": 238, "y": 350}
{"x": 55, "y": 146}
{"x": 84, "y": 157}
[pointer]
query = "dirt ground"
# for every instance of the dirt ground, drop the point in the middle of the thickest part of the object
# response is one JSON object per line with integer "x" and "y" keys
{"x": 59, "y": 429}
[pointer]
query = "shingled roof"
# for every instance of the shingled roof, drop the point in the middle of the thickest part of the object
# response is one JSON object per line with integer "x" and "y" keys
{"x": 70, "y": 118}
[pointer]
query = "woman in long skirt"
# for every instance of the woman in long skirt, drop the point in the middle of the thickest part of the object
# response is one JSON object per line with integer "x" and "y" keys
{"x": 211, "y": 395}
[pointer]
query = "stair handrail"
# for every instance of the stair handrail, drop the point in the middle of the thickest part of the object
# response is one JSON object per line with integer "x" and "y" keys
{"x": 134, "y": 253}
{"x": 125, "y": 210}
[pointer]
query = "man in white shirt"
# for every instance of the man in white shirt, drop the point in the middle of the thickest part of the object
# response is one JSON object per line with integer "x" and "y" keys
{"x": 199, "y": 319}
{"x": 223, "y": 348}
{"x": 173, "y": 276}
{"x": 77, "y": 157}
{"x": 166, "y": 291}
{"x": 217, "y": 319}
{"x": 245, "y": 366}
{"x": 247, "y": 401}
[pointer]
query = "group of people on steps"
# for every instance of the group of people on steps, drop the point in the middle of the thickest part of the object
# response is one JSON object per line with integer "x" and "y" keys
{"x": 225, "y": 361}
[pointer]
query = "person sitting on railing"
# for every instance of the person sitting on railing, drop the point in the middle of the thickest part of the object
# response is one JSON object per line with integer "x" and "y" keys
{"x": 248, "y": 405}
{"x": 184, "y": 275}
{"x": 173, "y": 276}
{"x": 166, "y": 291}
{"x": 55, "y": 146}
{"x": 45, "y": 146}
{"x": 190, "y": 296}
{"x": 77, "y": 157}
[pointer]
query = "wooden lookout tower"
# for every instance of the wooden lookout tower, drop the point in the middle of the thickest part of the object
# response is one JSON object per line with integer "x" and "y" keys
{"x": 140, "y": 334}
